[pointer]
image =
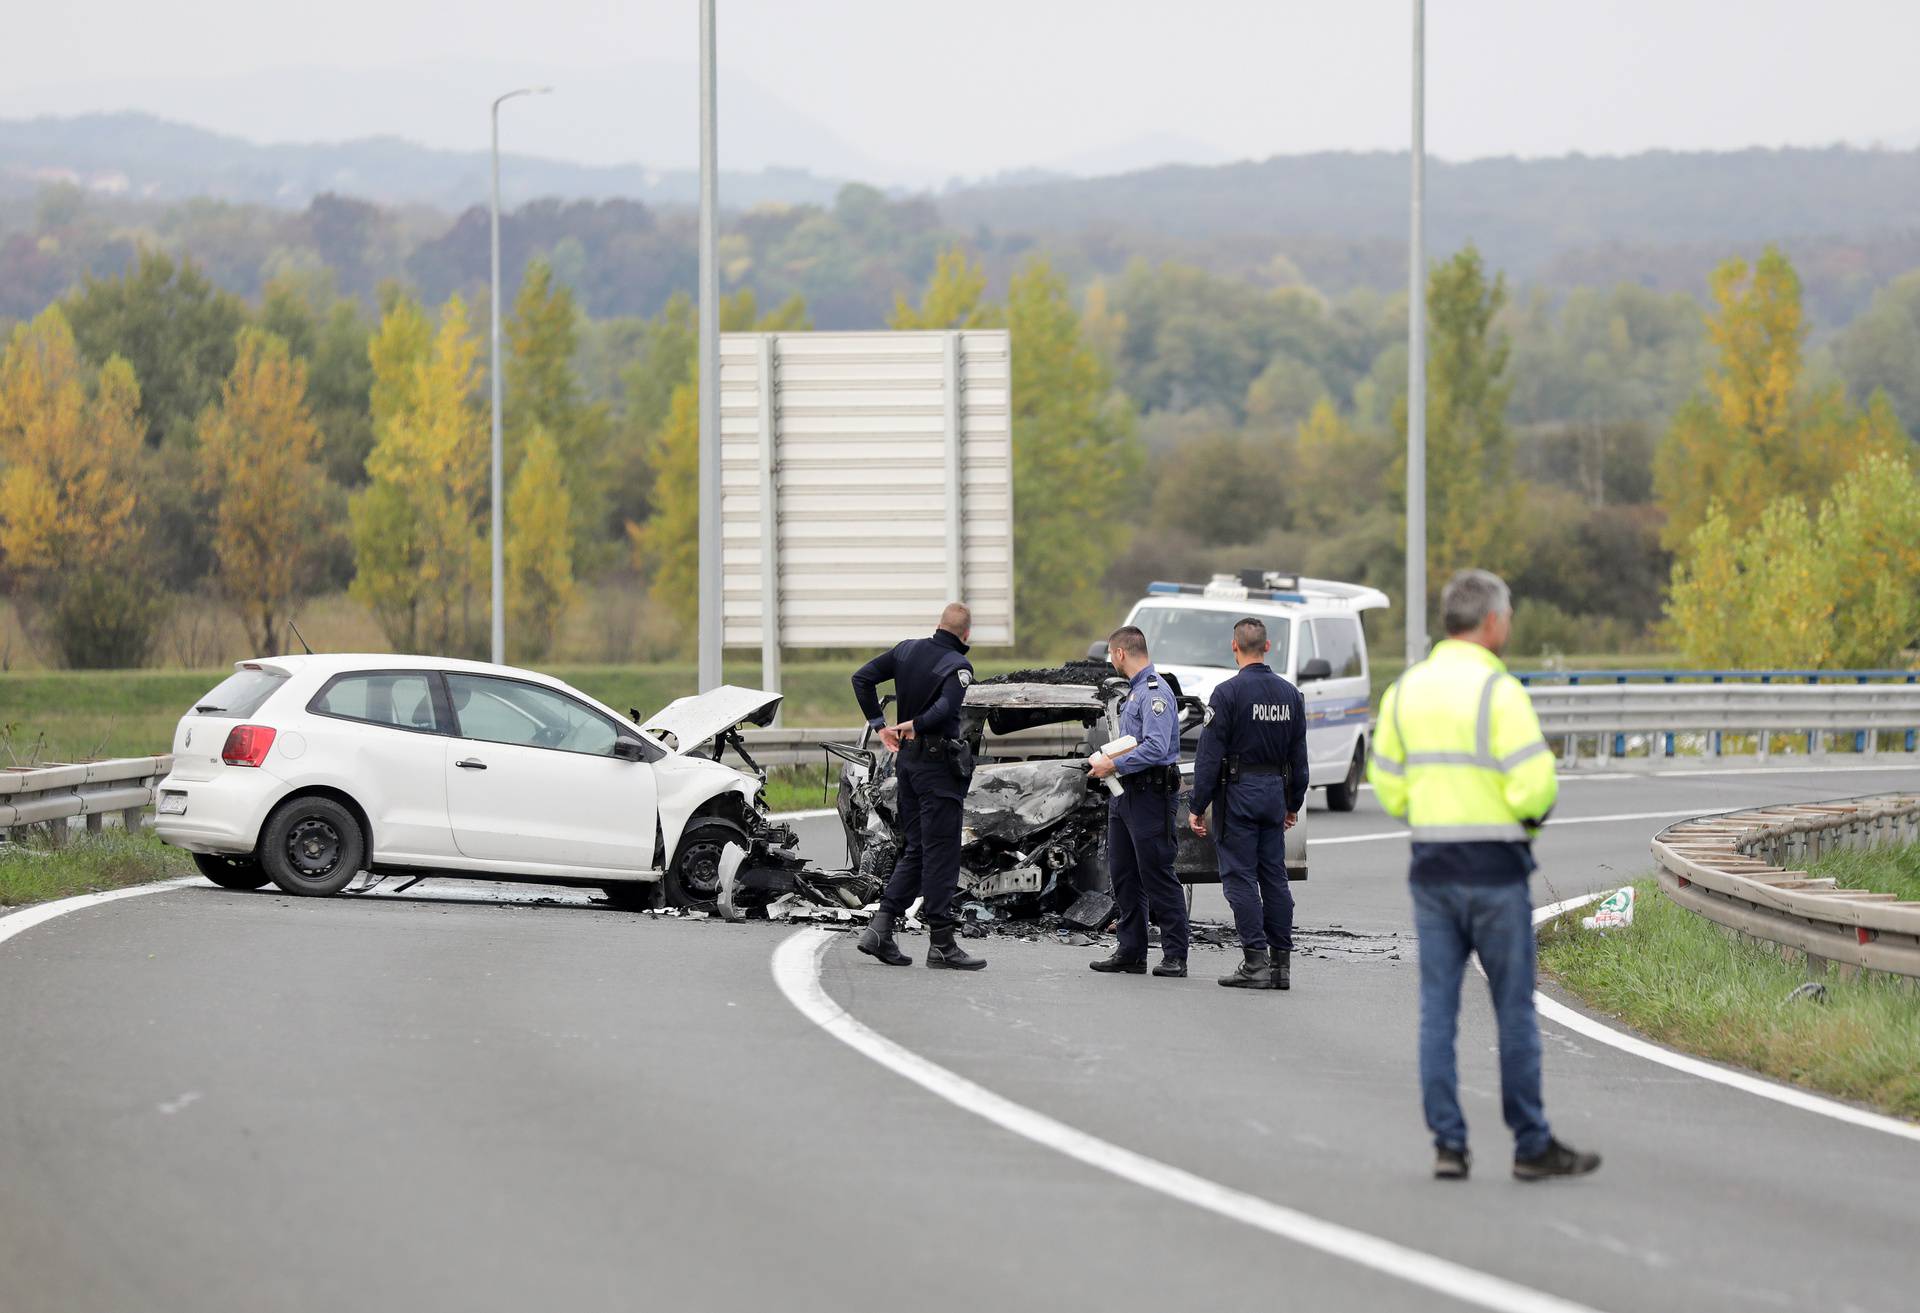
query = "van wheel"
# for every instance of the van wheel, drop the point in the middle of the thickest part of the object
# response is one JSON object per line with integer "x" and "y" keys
{"x": 312, "y": 846}
{"x": 693, "y": 876}
{"x": 231, "y": 872}
{"x": 1343, "y": 796}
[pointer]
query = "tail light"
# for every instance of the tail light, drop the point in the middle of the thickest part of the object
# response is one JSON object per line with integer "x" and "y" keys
{"x": 247, "y": 745}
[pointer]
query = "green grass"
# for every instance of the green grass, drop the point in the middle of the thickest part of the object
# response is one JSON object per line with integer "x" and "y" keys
{"x": 1883, "y": 870}
{"x": 1680, "y": 979}
{"x": 88, "y": 863}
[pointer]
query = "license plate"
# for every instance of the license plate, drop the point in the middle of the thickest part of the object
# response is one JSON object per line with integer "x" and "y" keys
{"x": 173, "y": 804}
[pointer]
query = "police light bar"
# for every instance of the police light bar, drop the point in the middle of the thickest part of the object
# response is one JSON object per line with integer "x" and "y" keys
{"x": 1225, "y": 588}
{"x": 1273, "y": 586}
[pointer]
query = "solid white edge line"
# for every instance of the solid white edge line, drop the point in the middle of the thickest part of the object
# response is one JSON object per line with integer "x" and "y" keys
{"x": 1562, "y": 1015}
{"x": 796, "y": 969}
{"x": 811, "y": 814}
{"x": 14, "y": 923}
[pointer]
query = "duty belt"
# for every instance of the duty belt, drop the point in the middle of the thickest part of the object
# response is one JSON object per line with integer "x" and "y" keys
{"x": 1260, "y": 768}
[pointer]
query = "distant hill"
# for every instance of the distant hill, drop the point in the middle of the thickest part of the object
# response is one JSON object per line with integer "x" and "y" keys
{"x": 1526, "y": 214}
{"x": 147, "y": 158}
{"x": 1335, "y": 221}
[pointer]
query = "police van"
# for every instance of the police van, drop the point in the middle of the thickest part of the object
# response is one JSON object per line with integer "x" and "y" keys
{"x": 1314, "y": 627}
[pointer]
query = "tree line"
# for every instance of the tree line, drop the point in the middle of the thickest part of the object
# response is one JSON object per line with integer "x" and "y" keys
{"x": 1647, "y": 470}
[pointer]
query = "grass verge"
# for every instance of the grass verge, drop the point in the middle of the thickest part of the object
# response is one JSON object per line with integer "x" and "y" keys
{"x": 1681, "y": 980}
{"x": 112, "y": 859}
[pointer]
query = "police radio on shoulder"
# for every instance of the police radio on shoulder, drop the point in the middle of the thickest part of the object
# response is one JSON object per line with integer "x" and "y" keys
{"x": 1113, "y": 751}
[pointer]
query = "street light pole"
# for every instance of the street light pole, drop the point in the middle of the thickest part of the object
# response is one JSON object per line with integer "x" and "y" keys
{"x": 710, "y": 622}
{"x": 1417, "y": 357}
{"x": 499, "y": 608}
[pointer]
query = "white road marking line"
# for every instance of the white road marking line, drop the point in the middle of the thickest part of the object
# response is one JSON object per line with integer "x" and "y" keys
{"x": 1562, "y": 1015}
{"x": 1787, "y": 770}
{"x": 796, "y": 969}
{"x": 1554, "y": 823}
{"x": 16, "y": 922}
{"x": 812, "y": 814}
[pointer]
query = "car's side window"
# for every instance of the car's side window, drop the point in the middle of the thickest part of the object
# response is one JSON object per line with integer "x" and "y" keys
{"x": 400, "y": 698}
{"x": 1304, "y": 649}
{"x": 508, "y": 711}
{"x": 1339, "y": 640}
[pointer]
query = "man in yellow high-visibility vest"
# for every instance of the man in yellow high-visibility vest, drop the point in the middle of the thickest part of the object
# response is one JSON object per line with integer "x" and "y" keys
{"x": 1458, "y": 753}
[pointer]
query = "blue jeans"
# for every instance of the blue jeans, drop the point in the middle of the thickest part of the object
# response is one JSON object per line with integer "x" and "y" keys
{"x": 1495, "y": 921}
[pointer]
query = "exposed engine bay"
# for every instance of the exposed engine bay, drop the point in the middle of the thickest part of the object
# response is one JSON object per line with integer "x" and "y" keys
{"x": 1034, "y": 832}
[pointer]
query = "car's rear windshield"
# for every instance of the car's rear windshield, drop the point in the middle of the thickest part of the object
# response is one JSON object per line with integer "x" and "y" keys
{"x": 242, "y": 693}
{"x": 1180, "y": 636}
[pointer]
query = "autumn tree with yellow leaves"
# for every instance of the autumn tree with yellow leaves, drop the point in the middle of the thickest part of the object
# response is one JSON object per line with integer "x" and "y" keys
{"x": 258, "y": 461}
{"x": 70, "y": 452}
{"x": 1756, "y": 431}
{"x": 419, "y": 552}
{"x": 539, "y": 548}
{"x": 1794, "y": 516}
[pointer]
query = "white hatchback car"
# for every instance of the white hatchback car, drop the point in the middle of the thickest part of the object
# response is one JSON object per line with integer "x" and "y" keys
{"x": 305, "y": 770}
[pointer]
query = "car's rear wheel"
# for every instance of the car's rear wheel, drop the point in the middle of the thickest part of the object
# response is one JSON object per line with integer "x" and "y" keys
{"x": 231, "y": 872}
{"x": 693, "y": 876}
{"x": 312, "y": 846}
{"x": 1342, "y": 797}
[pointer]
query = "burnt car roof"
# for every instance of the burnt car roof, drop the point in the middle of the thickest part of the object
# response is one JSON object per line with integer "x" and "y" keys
{"x": 1066, "y": 697}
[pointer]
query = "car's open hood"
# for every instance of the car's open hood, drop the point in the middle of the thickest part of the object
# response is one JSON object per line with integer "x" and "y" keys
{"x": 685, "y": 724}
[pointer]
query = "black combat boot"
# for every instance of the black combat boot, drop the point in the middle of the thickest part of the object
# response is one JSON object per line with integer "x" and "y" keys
{"x": 1171, "y": 966}
{"x": 1133, "y": 966}
{"x": 877, "y": 941}
{"x": 1283, "y": 968}
{"x": 944, "y": 952}
{"x": 1256, "y": 972}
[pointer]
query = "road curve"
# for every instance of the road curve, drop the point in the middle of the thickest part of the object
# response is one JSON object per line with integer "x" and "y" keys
{"x": 214, "y": 1101}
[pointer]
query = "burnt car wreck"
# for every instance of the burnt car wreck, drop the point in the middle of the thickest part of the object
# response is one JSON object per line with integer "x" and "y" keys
{"x": 1034, "y": 834}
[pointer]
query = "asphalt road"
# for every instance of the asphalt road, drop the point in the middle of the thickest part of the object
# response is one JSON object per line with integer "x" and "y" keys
{"x": 216, "y": 1101}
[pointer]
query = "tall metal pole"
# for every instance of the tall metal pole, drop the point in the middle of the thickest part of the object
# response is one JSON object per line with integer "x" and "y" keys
{"x": 498, "y": 609}
{"x": 710, "y": 596}
{"x": 1417, "y": 357}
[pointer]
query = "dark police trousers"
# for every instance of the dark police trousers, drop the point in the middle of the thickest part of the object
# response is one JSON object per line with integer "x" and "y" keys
{"x": 1250, "y": 837}
{"x": 927, "y": 809}
{"x": 1140, "y": 850}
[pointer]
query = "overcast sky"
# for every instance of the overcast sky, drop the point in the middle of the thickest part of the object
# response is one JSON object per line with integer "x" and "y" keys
{"x": 918, "y": 91}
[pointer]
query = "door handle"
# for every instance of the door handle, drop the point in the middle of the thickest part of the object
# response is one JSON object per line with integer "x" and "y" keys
{"x": 471, "y": 763}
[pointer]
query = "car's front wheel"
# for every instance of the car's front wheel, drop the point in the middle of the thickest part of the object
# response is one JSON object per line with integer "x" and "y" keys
{"x": 231, "y": 872}
{"x": 693, "y": 876}
{"x": 312, "y": 846}
{"x": 1345, "y": 795}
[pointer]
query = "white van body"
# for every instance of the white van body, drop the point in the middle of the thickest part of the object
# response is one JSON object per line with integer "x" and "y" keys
{"x": 1189, "y": 629}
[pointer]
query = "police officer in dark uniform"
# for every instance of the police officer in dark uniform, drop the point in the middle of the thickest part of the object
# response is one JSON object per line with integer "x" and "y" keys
{"x": 1141, "y": 834}
{"x": 1252, "y": 763}
{"x": 930, "y": 677}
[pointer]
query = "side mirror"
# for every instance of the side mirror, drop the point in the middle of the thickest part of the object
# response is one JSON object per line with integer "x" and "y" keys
{"x": 627, "y": 749}
{"x": 1097, "y": 650}
{"x": 1317, "y": 668}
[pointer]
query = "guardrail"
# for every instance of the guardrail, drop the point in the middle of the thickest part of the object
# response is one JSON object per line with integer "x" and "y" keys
{"x": 1865, "y": 712}
{"x": 1745, "y": 871}
{"x": 1873, "y": 715}
{"x": 52, "y": 795}
{"x": 1537, "y": 680}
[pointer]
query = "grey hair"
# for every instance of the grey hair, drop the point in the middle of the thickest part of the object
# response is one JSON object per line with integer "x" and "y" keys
{"x": 1470, "y": 597}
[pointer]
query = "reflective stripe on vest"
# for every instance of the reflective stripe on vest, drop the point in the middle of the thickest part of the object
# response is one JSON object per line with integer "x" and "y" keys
{"x": 1481, "y": 758}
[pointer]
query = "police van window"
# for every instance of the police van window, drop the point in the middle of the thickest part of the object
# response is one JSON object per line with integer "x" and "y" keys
{"x": 1308, "y": 649}
{"x": 1179, "y": 636}
{"x": 380, "y": 698}
{"x": 1340, "y": 643}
